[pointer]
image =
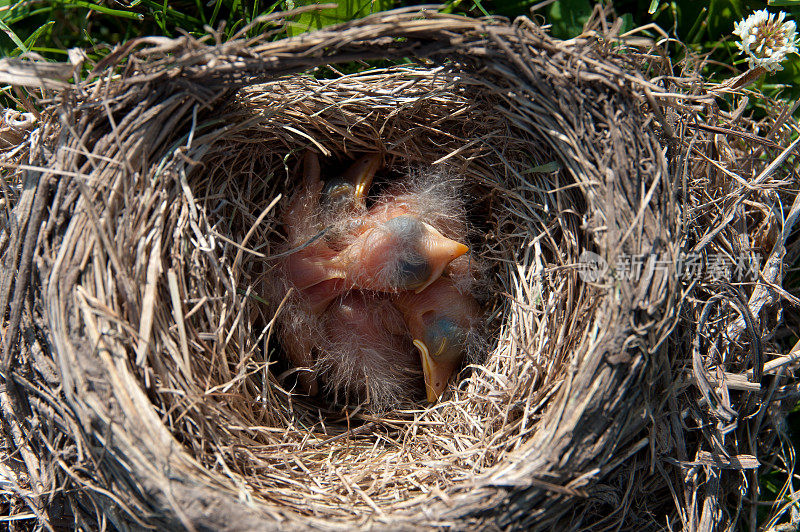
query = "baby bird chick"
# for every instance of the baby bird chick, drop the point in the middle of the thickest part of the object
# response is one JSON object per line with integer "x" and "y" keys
{"x": 311, "y": 212}
{"x": 315, "y": 214}
{"x": 440, "y": 320}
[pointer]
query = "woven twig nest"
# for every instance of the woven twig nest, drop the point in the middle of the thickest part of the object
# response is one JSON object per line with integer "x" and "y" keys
{"x": 148, "y": 387}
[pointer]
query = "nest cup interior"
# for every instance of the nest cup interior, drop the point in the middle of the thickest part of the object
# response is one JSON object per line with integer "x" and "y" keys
{"x": 230, "y": 402}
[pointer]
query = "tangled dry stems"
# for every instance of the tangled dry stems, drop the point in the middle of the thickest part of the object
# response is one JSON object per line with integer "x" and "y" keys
{"x": 148, "y": 387}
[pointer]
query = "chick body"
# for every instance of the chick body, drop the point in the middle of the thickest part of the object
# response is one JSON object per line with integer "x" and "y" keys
{"x": 367, "y": 355}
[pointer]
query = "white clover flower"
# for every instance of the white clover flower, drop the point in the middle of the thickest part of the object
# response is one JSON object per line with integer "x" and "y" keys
{"x": 766, "y": 39}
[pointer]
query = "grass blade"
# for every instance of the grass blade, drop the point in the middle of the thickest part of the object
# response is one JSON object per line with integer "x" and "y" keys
{"x": 8, "y": 31}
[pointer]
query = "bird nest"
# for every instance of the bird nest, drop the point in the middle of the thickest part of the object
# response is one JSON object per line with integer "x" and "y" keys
{"x": 145, "y": 385}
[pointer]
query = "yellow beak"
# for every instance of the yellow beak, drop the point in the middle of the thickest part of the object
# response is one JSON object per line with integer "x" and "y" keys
{"x": 441, "y": 252}
{"x": 361, "y": 174}
{"x": 435, "y": 372}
